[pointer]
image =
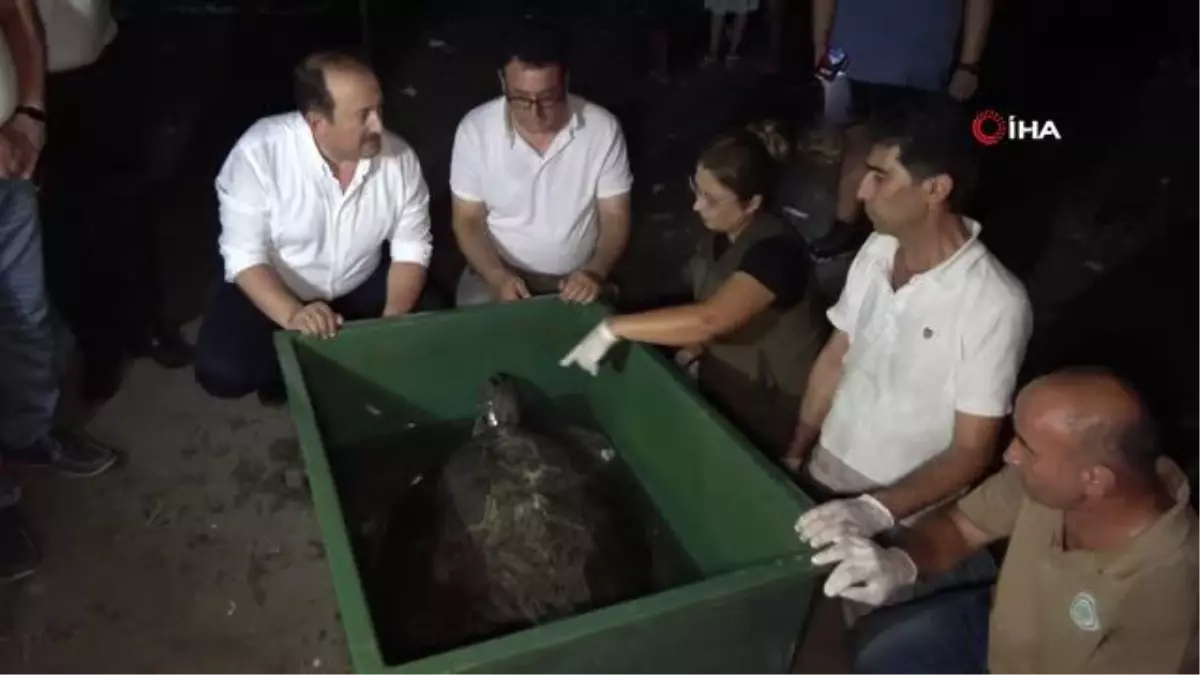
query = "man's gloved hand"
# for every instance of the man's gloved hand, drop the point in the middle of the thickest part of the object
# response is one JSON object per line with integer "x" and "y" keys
{"x": 592, "y": 349}
{"x": 865, "y": 571}
{"x": 862, "y": 516}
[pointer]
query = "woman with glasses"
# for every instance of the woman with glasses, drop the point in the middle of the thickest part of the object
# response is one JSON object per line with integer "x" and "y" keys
{"x": 757, "y": 322}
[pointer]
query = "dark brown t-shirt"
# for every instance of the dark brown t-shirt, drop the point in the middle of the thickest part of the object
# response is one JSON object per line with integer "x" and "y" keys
{"x": 1129, "y": 610}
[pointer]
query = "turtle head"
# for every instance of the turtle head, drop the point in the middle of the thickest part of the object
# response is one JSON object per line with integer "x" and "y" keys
{"x": 498, "y": 404}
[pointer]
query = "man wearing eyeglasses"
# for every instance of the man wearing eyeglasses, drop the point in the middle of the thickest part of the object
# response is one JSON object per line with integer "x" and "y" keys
{"x": 540, "y": 181}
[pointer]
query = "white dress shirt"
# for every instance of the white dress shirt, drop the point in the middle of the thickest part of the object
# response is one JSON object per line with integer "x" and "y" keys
{"x": 541, "y": 209}
{"x": 77, "y": 31}
{"x": 280, "y": 204}
{"x": 950, "y": 340}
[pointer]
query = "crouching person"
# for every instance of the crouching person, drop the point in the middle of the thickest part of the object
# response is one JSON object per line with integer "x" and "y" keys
{"x": 1101, "y": 569}
{"x": 307, "y": 201}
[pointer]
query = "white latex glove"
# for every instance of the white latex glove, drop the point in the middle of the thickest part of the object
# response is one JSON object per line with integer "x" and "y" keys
{"x": 862, "y": 516}
{"x": 865, "y": 571}
{"x": 592, "y": 349}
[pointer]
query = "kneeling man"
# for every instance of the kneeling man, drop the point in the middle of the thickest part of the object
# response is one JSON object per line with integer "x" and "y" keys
{"x": 540, "y": 182}
{"x": 308, "y": 199}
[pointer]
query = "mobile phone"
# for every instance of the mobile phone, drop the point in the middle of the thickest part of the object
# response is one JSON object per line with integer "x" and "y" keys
{"x": 832, "y": 64}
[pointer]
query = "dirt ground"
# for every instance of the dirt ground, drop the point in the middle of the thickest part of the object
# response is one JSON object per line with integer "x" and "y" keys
{"x": 202, "y": 551}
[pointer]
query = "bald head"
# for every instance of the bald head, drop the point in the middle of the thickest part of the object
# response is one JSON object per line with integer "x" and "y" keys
{"x": 1100, "y": 414}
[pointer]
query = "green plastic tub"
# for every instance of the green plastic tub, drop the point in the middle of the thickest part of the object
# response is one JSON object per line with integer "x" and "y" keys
{"x": 725, "y": 505}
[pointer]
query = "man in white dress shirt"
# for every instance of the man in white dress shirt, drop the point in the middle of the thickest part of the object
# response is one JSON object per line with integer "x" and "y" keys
{"x": 307, "y": 201}
{"x": 904, "y": 405}
{"x": 540, "y": 181}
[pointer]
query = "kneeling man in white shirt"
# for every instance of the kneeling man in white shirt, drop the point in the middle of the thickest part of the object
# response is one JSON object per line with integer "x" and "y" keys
{"x": 540, "y": 181}
{"x": 904, "y": 405}
{"x": 308, "y": 200}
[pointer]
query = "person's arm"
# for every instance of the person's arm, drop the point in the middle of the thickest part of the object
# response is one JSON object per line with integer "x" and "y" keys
{"x": 411, "y": 241}
{"x": 244, "y": 239}
{"x": 968, "y": 457}
{"x": 613, "y": 216}
{"x": 988, "y": 513}
{"x": 993, "y": 347}
{"x": 22, "y": 136}
{"x": 771, "y": 271}
{"x": 977, "y": 18}
{"x": 468, "y": 211}
{"x": 612, "y": 207}
{"x": 826, "y": 372}
{"x": 738, "y": 300}
{"x": 26, "y": 38}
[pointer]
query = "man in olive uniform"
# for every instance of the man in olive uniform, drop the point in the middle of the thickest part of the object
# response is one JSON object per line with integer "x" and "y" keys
{"x": 1101, "y": 569}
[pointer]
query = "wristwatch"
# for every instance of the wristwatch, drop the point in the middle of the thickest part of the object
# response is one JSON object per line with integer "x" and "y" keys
{"x": 31, "y": 112}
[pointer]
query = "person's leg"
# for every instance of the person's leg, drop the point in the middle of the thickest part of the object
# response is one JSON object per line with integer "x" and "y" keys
{"x": 848, "y": 232}
{"x": 29, "y": 390}
{"x": 945, "y": 633}
{"x": 29, "y": 385}
{"x": 716, "y": 26}
{"x": 735, "y": 36}
{"x": 777, "y": 15}
{"x": 235, "y": 351}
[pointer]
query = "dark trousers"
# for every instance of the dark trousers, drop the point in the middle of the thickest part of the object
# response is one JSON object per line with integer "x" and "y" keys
{"x": 942, "y": 633}
{"x": 235, "y": 352}
{"x": 97, "y": 196}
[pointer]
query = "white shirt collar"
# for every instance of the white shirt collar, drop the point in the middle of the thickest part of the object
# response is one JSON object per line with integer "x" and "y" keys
{"x": 950, "y": 269}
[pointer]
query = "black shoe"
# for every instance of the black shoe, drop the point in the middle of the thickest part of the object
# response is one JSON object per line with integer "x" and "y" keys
{"x": 19, "y": 555}
{"x": 170, "y": 350}
{"x": 842, "y": 238}
{"x": 71, "y": 454}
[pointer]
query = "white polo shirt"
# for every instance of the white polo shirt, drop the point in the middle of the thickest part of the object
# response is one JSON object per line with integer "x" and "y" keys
{"x": 541, "y": 208}
{"x": 280, "y": 204}
{"x": 951, "y": 339}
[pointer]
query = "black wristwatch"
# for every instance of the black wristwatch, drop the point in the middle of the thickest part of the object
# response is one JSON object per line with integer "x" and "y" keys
{"x": 972, "y": 68}
{"x": 31, "y": 112}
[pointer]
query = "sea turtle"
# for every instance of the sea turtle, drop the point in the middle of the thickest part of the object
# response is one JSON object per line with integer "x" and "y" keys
{"x": 527, "y": 526}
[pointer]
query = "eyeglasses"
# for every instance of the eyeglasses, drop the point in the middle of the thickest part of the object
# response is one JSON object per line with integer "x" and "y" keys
{"x": 529, "y": 102}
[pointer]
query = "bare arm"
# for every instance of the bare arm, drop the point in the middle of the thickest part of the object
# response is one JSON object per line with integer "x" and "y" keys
{"x": 26, "y": 37}
{"x": 737, "y": 301}
{"x": 469, "y": 221}
{"x": 405, "y": 282}
{"x": 818, "y": 395}
{"x": 943, "y": 539}
{"x": 967, "y": 458}
{"x": 977, "y": 17}
{"x": 263, "y": 286}
{"x": 613, "y": 214}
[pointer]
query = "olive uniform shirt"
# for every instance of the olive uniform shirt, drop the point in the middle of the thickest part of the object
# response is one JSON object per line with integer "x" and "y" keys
{"x": 1128, "y": 610}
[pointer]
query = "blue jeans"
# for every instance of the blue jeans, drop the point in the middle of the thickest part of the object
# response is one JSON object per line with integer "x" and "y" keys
{"x": 29, "y": 388}
{"x": 943, "y": 633}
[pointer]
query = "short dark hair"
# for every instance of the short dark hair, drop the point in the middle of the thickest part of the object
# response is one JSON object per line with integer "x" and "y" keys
{"x": 745, "y": 163}
{"x": 933, "y": 135}
{"x": 308, "y": 79}
{"x": 537, "y": 43}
